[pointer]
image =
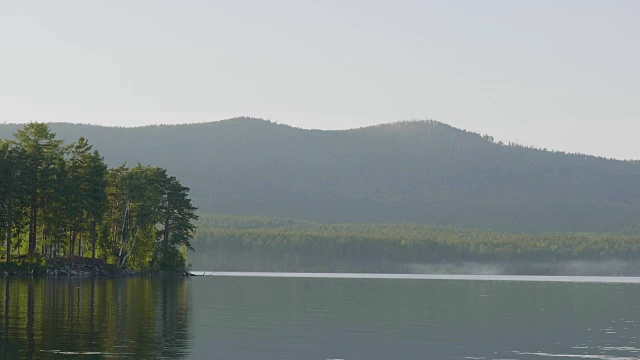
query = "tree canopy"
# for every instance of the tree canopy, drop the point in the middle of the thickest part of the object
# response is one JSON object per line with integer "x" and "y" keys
{"x": 61, "y": 200}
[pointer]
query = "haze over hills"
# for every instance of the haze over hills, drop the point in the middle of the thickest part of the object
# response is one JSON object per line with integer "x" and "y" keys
{"x": 420, "y": 171}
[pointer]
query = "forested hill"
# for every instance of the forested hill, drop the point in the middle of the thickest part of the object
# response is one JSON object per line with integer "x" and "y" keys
{"x": 425, "y": 172}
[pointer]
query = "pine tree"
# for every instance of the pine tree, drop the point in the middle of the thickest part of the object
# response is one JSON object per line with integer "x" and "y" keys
{"x": 11, "y": 190}
{"x": 96, "y": 195}
{"x": 177, "y": 228}
{"x": 77, "y": 191}
{"x": 41, "y": 150}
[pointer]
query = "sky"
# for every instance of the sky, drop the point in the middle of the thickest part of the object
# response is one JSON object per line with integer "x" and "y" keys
{"x": 554, "y": 74}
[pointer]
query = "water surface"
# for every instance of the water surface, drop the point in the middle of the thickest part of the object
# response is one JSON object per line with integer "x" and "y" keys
{"x": 276, "y": 316}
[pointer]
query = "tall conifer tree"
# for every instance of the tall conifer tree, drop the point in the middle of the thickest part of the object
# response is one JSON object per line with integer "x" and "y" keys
{"x": 41, "y": 150}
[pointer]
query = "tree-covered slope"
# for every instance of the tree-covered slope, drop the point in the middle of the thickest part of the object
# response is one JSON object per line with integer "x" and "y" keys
{"x": 424, "y": 172}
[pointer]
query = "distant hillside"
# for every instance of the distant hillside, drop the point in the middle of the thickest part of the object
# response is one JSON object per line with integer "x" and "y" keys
{"x": 425, "y": 172}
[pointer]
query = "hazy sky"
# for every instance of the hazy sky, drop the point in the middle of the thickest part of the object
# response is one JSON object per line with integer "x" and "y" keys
{"x": 557, "y": 74}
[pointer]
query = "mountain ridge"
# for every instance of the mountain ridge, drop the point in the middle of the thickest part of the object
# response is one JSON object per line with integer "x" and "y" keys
{"x": 423, "y": 172}
{"x": 396, "y": 125}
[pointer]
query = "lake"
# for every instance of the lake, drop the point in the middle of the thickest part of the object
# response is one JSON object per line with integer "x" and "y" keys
{"x": 321, "y": 316}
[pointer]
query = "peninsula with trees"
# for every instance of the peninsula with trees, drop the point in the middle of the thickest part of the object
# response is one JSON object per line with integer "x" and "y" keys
{"x": 60, "y": 205}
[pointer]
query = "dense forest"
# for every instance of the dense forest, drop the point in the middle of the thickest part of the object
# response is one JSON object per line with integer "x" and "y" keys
{"x": 276, "y": 244}
{"x": 60, "y": 200}
{"x": 419, "y": 171}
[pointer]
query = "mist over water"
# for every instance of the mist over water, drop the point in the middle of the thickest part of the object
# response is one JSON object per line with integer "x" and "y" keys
{"x": 611, "y": 267}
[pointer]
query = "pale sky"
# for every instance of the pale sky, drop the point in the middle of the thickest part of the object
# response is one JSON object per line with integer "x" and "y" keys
{"x": 557, "y": 74}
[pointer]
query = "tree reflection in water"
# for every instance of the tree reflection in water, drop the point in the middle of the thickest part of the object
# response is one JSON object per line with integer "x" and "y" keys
{"x": 127, "y": 317}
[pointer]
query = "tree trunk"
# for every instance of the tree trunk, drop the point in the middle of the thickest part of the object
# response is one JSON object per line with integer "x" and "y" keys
{"x": 164, "y": 243}
{"x": 33, "y": 225}
{"x": 165, "y": 237}
{"x": 133, "y": 244}
{"x": 8, "y": 234}
{"x": 80, "y": 246}
{"x": 94, "y": 236}
{"x": 72, "y": 244}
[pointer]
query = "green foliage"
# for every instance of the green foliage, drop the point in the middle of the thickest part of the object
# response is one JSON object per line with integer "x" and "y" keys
{"x": 177, "y": 224}
{"x": 12, "y": 190}
{"x": 29, "y": 264}
{"x": 43, "y": 174}
{"x": 32, "y": 261}
{"x": 174, "y": 259}
{"x": 66, "y": 201}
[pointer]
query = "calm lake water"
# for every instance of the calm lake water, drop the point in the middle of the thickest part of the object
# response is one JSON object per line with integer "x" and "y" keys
{"x": 322, "y": 317}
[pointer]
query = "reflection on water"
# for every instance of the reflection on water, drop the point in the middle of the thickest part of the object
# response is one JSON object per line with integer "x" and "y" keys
{"x": 123, "y": 318}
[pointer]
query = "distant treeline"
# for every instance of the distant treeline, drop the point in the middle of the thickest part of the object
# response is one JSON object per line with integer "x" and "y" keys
{"x": 274, "y": 244}
{"x": 60, "y": 200}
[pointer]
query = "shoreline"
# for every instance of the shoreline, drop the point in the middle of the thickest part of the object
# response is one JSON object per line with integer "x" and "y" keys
{"x": 463, "y": 277}
{"x": 76, "y": 266}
